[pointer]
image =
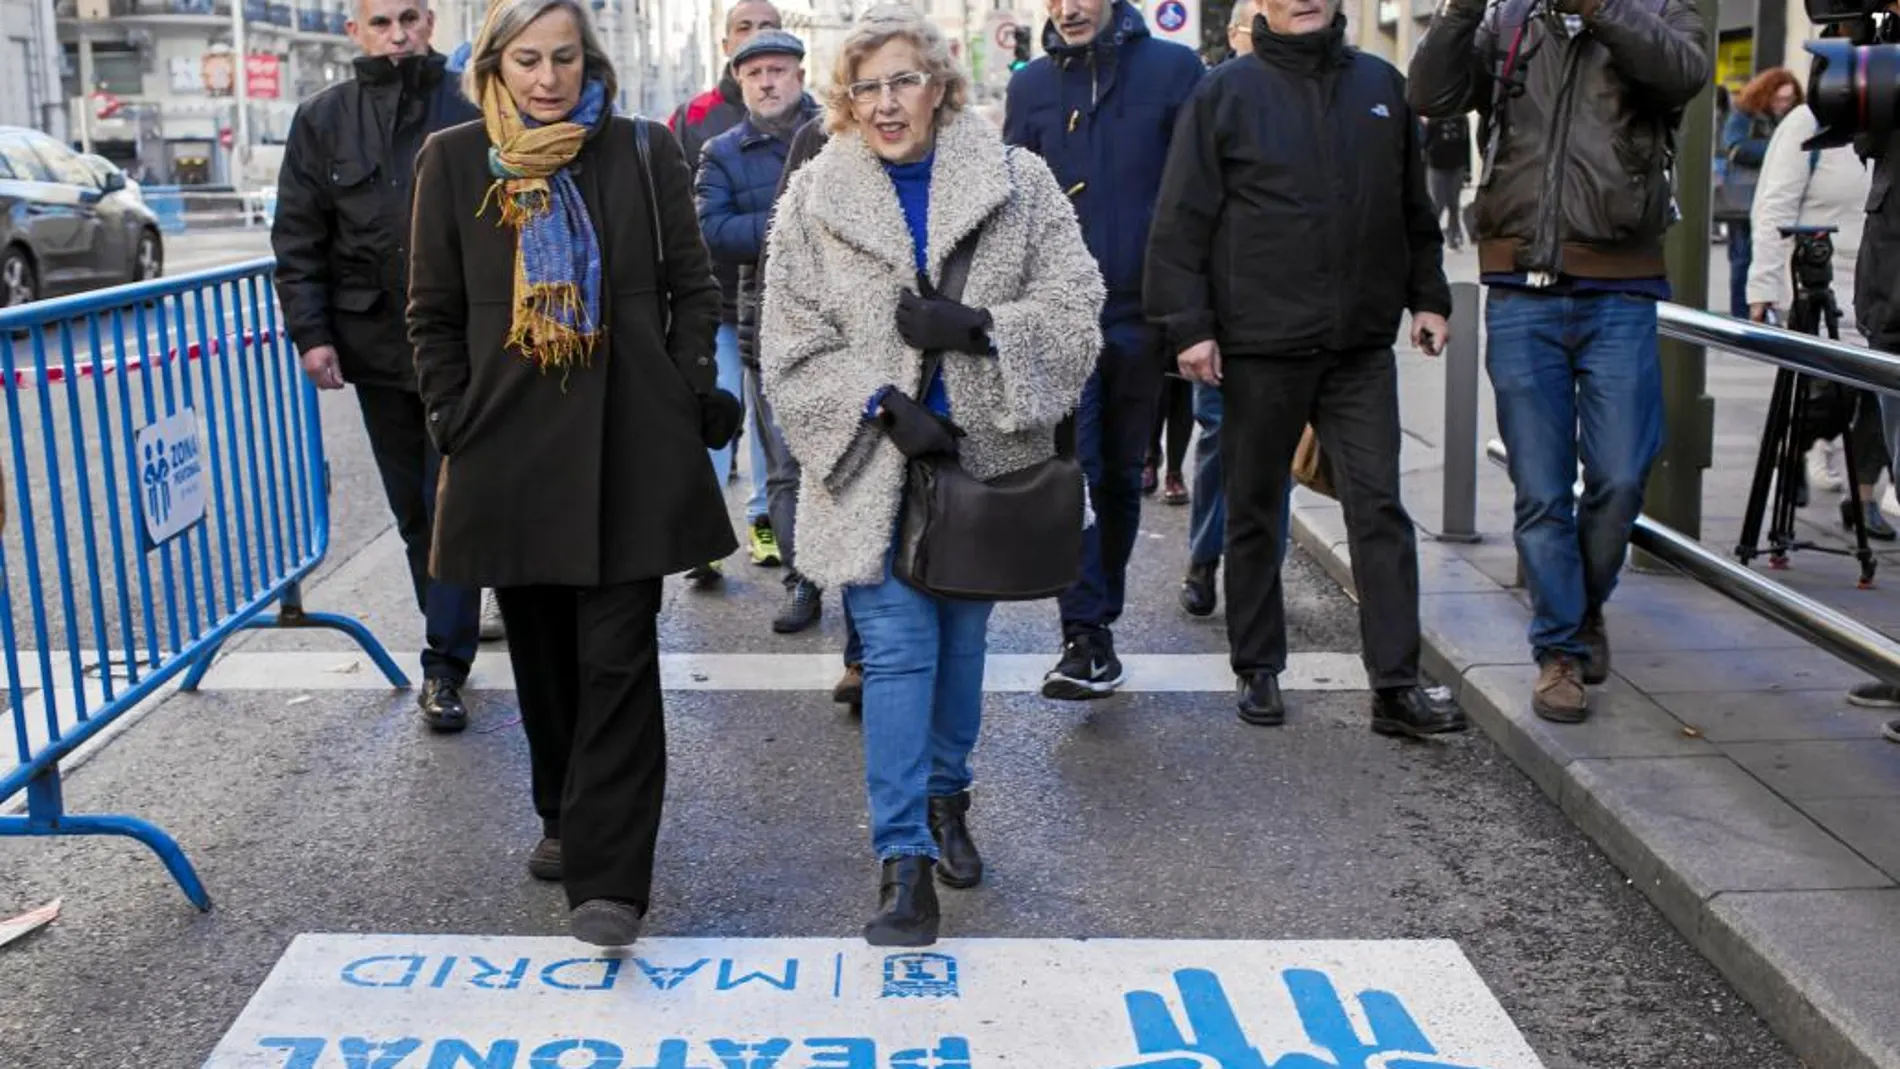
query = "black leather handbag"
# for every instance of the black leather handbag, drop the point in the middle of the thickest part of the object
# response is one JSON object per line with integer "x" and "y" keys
{"x": 1017, "y": 537}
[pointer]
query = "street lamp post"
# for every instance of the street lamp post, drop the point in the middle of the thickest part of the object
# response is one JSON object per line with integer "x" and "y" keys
{"x": 88, "y": 11}
{"x": 240, "y": 92}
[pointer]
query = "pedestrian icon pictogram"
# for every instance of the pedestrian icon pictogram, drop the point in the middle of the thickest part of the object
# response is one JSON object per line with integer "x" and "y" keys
{"x": 171, "y": 477}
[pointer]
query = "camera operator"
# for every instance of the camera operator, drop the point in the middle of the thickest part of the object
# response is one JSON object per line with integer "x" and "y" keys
{"x": 1876, "y": 289}
{"x": 1801, "y": 187}
{"x": 1578, "y": 101}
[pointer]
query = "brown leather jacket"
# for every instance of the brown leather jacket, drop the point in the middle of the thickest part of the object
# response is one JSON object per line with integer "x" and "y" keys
{"x": 1576, "y": 177}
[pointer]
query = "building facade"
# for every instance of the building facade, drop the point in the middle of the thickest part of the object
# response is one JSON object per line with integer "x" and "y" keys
{"x": 29, "y": 71}
{"x": 164, "y": 81}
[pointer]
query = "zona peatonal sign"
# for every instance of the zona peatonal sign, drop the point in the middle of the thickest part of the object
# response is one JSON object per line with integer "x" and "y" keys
{"x": 456, "y": 1002}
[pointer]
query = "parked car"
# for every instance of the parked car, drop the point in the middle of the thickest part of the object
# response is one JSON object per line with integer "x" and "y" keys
{"x": 102, "y": 170}
{"x": 67, "y": 224}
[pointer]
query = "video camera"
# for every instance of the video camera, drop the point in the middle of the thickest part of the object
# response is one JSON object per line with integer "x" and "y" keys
{"x": 1854, "y": 87}
{"x": 1813, "y": 258}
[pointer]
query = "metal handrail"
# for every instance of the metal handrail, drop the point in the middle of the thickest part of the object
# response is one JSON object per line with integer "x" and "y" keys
{"x": 1858, "y": 645}
{"x": 1850, "y": 365}
{"x": 1840, "y": 362}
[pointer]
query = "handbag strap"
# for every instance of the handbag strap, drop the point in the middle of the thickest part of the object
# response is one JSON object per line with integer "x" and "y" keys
{"x": 956, "y": 271}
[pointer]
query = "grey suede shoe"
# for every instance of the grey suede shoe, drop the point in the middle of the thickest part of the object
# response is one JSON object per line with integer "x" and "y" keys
{"x": 606, "y": 923}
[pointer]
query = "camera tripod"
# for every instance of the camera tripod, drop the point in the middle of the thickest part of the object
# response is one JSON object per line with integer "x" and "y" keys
{"x": 1784, "y": 441}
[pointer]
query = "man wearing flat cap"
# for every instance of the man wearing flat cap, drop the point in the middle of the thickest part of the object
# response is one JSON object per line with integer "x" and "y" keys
{"x": 738, "y": 180}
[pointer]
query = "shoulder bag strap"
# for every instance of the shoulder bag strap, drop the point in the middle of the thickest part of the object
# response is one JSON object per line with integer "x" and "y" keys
{"x": 642, "y": 145}
{"x": 956, "y": 272}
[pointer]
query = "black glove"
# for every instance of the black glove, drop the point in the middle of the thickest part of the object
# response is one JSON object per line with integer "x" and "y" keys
{"x": 916, "y": 431}
{"x": 932, "y": 322}
{"x": 720, "y": 414}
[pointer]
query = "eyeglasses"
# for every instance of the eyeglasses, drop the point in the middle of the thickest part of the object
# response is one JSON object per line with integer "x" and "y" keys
{"x": 872, "y": 90}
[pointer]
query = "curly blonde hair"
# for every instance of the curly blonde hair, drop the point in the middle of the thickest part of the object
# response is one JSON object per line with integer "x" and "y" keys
{"x": 876, "y": 28}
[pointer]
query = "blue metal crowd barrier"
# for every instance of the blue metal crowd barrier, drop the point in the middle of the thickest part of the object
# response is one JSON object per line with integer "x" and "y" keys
{"x": 169, "y": 487}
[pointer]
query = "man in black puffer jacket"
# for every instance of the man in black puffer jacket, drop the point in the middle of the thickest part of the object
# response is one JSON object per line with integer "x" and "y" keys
{"x": 1293, "y": 234}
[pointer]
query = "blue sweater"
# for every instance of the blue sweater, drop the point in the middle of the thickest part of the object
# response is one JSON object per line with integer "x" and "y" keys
{"x": 913, "y": 195}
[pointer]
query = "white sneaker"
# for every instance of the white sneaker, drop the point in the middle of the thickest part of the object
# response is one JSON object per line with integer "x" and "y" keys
{"x": 1888, "y": 503}
{"x": 1824, "y": 467}
{"x": 492, "y": 628}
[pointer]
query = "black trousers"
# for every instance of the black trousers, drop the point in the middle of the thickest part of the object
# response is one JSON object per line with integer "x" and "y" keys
{"x": 1174, "y": 417}
{"x": 587, "y": 673}
{"x": 1351, "y": 399}
{"x": 409, "y": 466}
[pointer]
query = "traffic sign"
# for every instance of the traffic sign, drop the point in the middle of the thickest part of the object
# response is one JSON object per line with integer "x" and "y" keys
{"x": 1006, "y": 35}
{"x": 1178, "y": 21}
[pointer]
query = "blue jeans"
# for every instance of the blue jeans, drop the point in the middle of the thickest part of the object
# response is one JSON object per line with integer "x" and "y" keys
{"x": 923, "y": 705}
{"x": 1741, "y": 248}
{"x": 1113, "y": 423}
{"x": 1576, "y": 377}
{"x": 1207, "y": 514}
{"x": 731, "y": 380}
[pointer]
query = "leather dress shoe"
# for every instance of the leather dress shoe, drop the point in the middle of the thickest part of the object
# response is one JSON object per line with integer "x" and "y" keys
{"x": 1412, "y": 712}
{"x": 958, "y": 864}
{"x": 1260, "y": 701}
{"x": 441, "y": 706}
{"x": 907, "y": 913}
{"x": 1198, "y": 595}
{"x": 544, "y": 861}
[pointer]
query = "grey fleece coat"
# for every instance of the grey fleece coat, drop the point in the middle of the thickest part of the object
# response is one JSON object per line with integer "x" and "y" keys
{"x": 839, "y": 254}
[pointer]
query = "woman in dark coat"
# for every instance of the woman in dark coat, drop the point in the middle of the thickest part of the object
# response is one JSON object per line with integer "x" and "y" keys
{"x": 566, "y": 367}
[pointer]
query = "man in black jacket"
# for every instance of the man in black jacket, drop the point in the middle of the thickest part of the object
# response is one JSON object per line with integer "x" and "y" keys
{"x": 1292, "y": 235}
{"x": 341, "y": 237}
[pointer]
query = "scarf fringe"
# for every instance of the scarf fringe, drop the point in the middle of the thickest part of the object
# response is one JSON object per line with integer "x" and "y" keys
{"x": 550, "y": 326}
{"x": 521, "y": 200}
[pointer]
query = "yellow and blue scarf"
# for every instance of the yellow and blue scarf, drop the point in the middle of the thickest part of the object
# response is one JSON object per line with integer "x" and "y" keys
{"x": 557, "y": 255}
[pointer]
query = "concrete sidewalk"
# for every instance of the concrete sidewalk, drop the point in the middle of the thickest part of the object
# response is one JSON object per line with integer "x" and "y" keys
{"x": 1723, "y": 770}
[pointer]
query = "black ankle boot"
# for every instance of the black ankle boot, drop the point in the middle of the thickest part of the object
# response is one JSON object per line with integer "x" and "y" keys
{"x": 960, "y": 866}
{"x": 1198, "y": 593}
{"x": 907, "y": 913}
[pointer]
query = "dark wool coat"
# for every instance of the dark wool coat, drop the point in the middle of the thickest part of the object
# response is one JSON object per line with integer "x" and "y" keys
{"x": 596, "y": 476}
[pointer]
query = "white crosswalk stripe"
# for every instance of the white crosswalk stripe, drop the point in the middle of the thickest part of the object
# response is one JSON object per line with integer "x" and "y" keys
{"x": 1006, "y": 673}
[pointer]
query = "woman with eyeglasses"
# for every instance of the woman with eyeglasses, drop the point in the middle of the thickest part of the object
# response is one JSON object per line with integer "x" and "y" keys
{"x": 857, "y": 251}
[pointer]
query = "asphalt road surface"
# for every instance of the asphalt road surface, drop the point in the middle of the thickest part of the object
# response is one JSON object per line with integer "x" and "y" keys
{"x": 1151, "y": 815}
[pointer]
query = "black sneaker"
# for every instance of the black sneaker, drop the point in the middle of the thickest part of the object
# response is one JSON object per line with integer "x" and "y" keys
{"x": 1875, "y": 696}
{"x": 707, "y": 576}
{"x": 1892, "y": 731}
{"x": 1088, "y": 669}
{"x": 804, "y": 604}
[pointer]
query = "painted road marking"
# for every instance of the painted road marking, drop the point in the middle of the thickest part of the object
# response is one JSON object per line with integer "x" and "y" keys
{"x": 429, "y": 1002}
{"x": 1162, "y": 673}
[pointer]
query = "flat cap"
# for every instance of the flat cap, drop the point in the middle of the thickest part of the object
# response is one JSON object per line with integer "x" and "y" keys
{"x": 769, "y": 43}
